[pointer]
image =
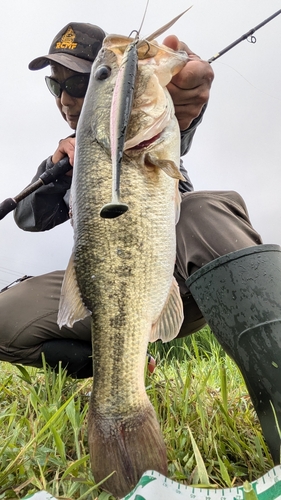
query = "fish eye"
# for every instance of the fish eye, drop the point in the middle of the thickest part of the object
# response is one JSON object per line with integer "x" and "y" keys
{"x": 102, "y": 73}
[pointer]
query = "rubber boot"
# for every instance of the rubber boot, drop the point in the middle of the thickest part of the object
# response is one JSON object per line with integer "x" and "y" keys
{"x": 239, "y": 295}
{"x": 74, "y": 355}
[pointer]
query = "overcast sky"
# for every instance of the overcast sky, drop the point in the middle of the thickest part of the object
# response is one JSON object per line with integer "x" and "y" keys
{"x": 238, "y": 145}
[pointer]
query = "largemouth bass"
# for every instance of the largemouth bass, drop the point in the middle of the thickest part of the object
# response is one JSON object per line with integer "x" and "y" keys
{"x": 121, "y": 269}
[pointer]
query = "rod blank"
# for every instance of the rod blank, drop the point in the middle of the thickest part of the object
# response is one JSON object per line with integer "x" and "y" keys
{"x": 243, "y": 37}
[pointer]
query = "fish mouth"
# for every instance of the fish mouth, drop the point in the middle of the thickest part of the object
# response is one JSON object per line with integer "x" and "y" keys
{"x": 145, "y": 144}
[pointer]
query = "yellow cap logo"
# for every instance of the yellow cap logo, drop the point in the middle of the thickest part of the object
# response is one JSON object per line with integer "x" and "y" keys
{"x": 67, "y": 40}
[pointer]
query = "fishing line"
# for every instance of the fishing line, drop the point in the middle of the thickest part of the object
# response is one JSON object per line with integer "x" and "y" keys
{"x": 9, "y": 271}
{"x": 248, "y": 81}
{"x": 143, "y": 17}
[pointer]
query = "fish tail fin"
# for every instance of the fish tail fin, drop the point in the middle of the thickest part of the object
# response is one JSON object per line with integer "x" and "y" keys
{"x": 127, "y": 447}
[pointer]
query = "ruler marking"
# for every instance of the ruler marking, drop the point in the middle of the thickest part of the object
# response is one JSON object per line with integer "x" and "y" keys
{"x": 267, "y": 487}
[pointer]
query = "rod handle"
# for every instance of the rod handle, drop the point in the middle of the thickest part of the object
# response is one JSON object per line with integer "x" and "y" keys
{"x": 59, "y": 168}
{"x": 7, "y": 206}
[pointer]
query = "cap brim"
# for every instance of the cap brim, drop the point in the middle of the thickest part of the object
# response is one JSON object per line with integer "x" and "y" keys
{"x": 67, "y": 60}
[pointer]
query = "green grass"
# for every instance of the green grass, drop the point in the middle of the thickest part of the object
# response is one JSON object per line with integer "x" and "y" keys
{"x": 207, "y": 419}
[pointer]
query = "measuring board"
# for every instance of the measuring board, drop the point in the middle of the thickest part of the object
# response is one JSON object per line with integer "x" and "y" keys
{"x": 155, "y": 486}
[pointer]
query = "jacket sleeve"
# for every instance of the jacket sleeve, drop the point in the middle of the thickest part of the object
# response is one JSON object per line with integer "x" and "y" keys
{"x": 188, "y": 134}
{"x": 186, "y": 141}
{"x": 46, "y": 207}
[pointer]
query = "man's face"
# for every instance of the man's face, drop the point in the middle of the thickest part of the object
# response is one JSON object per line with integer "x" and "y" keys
{"x": 70, "y": 107}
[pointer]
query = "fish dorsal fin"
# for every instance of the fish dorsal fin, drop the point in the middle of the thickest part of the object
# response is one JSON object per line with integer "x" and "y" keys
{"x": 170, "y": 320}
{"x": 71, "y": 307}
{"x": 164, "y": 28}
{"x": 168, "y": 166}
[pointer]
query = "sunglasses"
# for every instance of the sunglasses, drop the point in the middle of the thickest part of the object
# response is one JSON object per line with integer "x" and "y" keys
{"x": 75, "y": 86}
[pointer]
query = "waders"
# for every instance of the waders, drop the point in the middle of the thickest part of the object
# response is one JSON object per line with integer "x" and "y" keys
{"x": 239, "y": 295}
{"x": 74, "y": 355}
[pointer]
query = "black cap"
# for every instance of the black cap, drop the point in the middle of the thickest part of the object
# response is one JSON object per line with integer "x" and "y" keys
{"x": 75, "y": 47}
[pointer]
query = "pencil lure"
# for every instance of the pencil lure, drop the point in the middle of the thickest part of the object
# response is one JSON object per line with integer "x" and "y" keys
{"x": 121, "y": 107}
{"x": 120, "y": 113}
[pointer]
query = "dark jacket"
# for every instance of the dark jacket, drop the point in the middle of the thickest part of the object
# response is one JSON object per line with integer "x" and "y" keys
{"x": 49, "y": 205}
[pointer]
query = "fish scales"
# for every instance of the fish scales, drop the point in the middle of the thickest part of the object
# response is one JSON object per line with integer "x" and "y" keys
{"x": 122, "y": 268}
{"x": 126, "y": 242}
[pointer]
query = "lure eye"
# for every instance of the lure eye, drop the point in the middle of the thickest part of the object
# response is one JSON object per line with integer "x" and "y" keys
{"x": 103, "y": 72}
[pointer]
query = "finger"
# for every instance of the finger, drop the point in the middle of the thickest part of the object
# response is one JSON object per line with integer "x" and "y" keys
{"x": 67, "y": 145}
{"x": 69, "y": 173}
{"x": 195, "y": 73}
{"x": 174, "y": 43}
{"x": 66, "y": 148}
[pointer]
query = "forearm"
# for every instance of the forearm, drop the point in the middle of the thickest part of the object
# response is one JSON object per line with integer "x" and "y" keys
{"x": 47, "y": 206}
{"x": 186, "y": 141}
{"x": 188, "y": 134}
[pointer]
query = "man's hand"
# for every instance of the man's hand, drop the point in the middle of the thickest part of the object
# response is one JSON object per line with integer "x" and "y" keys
{"x": 190, "y": 88}
{"x": 66, "y": 147}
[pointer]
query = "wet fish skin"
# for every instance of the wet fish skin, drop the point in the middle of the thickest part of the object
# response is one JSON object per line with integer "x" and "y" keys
{"x": 121, "y": 271}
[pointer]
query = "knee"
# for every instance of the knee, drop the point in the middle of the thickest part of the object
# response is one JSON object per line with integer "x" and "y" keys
{"x": 75, "y": 356}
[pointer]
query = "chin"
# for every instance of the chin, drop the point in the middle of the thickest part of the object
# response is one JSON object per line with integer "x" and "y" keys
{"x": 72, "y": 124}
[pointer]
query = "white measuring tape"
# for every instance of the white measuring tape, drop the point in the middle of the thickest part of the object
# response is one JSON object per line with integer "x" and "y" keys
{"x": 155, "y": 486}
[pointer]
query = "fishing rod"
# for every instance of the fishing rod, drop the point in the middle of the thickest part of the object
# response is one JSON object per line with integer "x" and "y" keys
{"x": 244, "y": 37}
{"x": 50, "y": 175}
{"x": 63, "y": 165}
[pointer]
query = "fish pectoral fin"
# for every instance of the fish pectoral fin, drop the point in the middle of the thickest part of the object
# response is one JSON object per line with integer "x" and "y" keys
{"x": 170, "y": 320}
{"x": 177, "y": 205}
{"x": 168, "y": 166}
{"x": 71, "y": 306}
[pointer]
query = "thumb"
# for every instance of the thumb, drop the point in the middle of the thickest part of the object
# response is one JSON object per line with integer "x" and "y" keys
{"x": 172, "y": 42}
